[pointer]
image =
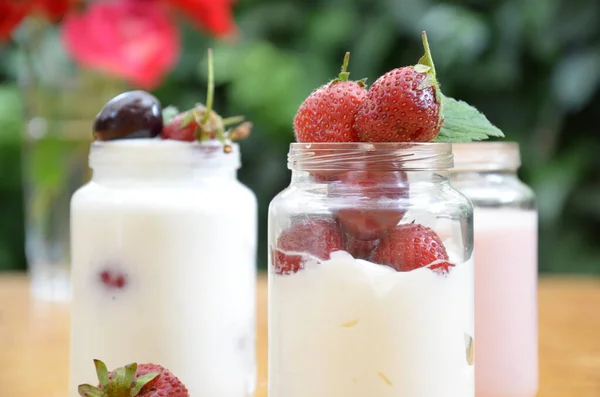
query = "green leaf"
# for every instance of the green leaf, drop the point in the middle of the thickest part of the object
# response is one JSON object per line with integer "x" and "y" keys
{"x": 188, "y": 118}
{"x": 426, "y": 59}
{"x": 464, "y": 123}
{"x": 168, "y": 113}
{"x": 102, "y": 372}
{"x": 130, "y": 371}
{"x": 141, "y": 382}
{"x": 89, "y": 391}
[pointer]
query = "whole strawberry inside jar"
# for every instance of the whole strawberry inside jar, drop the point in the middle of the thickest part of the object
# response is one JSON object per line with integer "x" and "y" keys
{"x": 371, "y": 274}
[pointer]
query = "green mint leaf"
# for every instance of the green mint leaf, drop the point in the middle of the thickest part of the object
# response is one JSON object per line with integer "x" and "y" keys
{"x": 464, "y": 123}
{"x": 168, "y": 113}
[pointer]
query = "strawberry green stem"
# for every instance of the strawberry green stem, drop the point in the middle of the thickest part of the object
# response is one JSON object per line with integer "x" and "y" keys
{"x": 232, "y": 120}
{"x": 123, "y": 382}
{"x": 344, "y": 74}
{"x": 211, "y": 87}
{"x": 426, "y": 59}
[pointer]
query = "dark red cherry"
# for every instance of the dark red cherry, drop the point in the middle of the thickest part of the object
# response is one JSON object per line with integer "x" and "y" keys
{"x": 133, "y": 114}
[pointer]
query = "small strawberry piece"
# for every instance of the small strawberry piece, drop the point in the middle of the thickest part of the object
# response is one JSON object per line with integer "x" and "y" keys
{"x": 327, "y": 115}
{"x": 403, "y": 105}
{"x": 310, "y": 237}
{"x": 113, "y": 280}
{"x": 412, "y": 246}
{"x": 381, "y": 211}
{"x": 175, "y": 130}
{"x": 360, "y": 249}
{"x": 327, "y": 176}
{"x": 144, "y": 380}
{"x": 202, "y": 123}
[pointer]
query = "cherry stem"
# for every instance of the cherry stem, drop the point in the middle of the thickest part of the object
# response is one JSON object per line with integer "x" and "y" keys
{"x": 211, "y": 88}
{"x": 426, "y": 59}
{"x": 344, "y": 73}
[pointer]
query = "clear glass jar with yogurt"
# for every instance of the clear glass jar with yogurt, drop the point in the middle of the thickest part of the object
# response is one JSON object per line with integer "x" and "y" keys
{"x": 505, "y": 224}
{"x": 371, "y": 275}
{"x": 163, "y": 265}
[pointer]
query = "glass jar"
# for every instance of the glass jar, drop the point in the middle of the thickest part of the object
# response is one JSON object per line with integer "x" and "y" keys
{"x": 164, "y": 245}
{"x": 505, "y": 225}
{"x": 370, "y": 275}
{"x": 60, "y": 101}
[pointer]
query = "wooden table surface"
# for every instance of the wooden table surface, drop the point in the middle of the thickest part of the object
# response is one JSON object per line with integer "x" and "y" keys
{"x": 34, "y": 339}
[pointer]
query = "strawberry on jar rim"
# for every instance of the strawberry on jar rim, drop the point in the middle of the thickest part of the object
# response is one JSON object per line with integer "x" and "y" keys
{"x": 202, "y": 123}
{"x": 403, "y": 105}
{"x": 327, "y": 115}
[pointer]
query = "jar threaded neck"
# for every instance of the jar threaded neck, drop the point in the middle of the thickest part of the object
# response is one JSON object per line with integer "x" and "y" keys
{"x": 374, "y": 156}
{"x": 486, "y": 156}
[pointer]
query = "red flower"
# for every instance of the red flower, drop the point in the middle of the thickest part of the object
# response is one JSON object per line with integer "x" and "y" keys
{"x": 214, "y": 16}
{"x": 55, "y": 9}
{"x": 12, "y": 13}
{"x": 133, "y": 40}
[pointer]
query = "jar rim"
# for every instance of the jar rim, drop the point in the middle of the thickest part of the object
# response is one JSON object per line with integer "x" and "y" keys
{"x": 154, "y": 151}
{"x": 383, "y": 156}
{"x": 486, "y": 156}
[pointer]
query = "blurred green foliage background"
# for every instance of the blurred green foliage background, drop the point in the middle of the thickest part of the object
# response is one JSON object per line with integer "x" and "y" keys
{"x": 533, "y": 67}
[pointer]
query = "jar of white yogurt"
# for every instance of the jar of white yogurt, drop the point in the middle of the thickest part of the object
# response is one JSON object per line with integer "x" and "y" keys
{"x": 371, "y": 274}
{"x": 505, "y": 267}
{"x": 163, "y": 265}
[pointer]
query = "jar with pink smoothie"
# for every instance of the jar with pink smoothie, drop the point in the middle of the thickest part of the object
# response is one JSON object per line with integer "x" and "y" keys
{"x": 506, "y": 248}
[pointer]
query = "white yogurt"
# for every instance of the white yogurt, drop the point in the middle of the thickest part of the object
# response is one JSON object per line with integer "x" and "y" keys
{"x": 352, "y": 328}
{"x": 184, "y": 237}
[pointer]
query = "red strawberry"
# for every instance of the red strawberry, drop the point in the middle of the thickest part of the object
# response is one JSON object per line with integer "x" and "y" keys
{"x": 360, "y": 249}
{"x": 144, "y": 380}
{"x": 327, "y": 115}
{"x": 316, "y": 237}
{"x": 202, "y": 122}
{"x": 327, "y": 176}
{"x": 378, "y": 194}
{"x": 410, "y": 247}
{"x": 183, "y": 126}
{"x": 403, "y": 105}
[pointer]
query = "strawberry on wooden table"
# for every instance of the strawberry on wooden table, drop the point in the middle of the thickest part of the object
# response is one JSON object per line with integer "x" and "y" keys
{"x": 412, "y": 246}
{"x": 133, "y": 380}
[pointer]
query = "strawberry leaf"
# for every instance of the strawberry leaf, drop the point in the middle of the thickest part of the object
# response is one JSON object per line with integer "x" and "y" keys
{"x": 102, "y": 372}
{"x": 422, "y": 68}
{"x": 426, "y": 60}
{"x": 141, "y": 382}
{"x": 89, "y": 391}
{"x": 168, "y": 113}
{"x": 464, "y": 123}
{"x": 188, "y": 118}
